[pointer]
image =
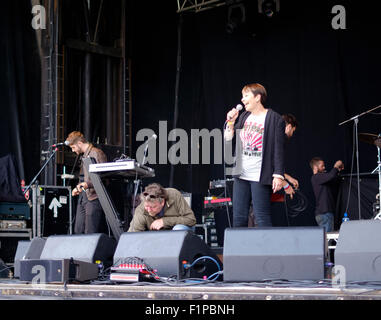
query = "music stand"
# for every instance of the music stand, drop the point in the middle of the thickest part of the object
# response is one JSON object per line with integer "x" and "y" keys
{"x": 356, "y": 120}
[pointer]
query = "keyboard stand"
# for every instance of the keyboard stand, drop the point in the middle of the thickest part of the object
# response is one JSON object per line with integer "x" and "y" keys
{"x": 106, "y": 202}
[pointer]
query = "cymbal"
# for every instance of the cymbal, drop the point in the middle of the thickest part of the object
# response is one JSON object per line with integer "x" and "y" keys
{"x": 370, "y": 138}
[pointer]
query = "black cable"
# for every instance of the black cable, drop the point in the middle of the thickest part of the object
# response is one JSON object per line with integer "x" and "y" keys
{"x": 285, "y": 206}
{"x": 296, "y": 205}
{"x": 75, "y": 164}
{"x": 265, "y": 283}
{"x": 351, "y": 175}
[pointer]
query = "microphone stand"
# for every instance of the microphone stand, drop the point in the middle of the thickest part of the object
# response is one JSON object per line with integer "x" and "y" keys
{"x": 138, "y": 181}
{"x": 39, "y": 172}
{"x": 356, "y": 120}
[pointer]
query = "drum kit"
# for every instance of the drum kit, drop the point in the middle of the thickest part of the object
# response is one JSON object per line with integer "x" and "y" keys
{"x": 372, "y": 139}
{"x": 375, "y": 140}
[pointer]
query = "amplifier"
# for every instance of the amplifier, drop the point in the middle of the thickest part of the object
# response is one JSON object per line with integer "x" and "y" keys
{"x": 214, "y": 202}
{"x": 57, "y": 271}
{"x": 217, "y": 184}
{"x": 14, "y": 210}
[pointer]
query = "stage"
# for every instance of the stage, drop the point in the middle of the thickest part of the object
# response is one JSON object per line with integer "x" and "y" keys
{"x": 153, "y": 87}
{"x": 329, "y": 288}
{"x": 275, "y": 290}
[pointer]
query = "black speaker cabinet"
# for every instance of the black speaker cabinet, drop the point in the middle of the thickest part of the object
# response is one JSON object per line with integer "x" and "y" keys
{"x": 256, "y": 254}
{"x": 59, "y": 271}
{"x": 358, "y": 250}
{"x": 166, "y": 251}
{"x": 30, "y": 249}
{"x": 83, "y": 247}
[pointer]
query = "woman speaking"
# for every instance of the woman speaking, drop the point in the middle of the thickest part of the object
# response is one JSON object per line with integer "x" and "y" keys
{"x": 259, "y": 169}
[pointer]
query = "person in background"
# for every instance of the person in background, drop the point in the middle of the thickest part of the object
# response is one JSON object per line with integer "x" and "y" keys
{"x": 322, "y": 187}
{"x": 291, "y": 125}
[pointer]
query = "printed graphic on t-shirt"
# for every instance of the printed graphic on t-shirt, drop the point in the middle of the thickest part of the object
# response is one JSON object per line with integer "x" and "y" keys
{"x": 252, "y": 138}
{"x": 252, "y": 135}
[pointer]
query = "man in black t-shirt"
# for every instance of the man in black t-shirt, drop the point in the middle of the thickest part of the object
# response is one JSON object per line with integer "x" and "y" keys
{"x": 322, "y": 187}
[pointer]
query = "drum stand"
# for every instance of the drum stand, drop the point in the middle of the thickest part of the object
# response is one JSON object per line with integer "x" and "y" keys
{"x": 378, "y": 169}
{"x": 356, "y": 120}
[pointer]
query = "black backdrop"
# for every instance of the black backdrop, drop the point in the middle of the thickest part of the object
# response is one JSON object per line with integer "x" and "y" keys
{"x": 20, "y": 88}
{"x": 322, "y": 76}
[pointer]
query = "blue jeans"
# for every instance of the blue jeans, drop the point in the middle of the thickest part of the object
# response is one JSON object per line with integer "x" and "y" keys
{"x": 183, "y": 227}
{"x": 260, "y": 194}
{"x": 325, "y": 220}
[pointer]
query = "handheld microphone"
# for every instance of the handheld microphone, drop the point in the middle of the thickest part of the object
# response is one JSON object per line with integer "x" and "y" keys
{"x": 238, "y": 107}
{"x": 66, "y": 143}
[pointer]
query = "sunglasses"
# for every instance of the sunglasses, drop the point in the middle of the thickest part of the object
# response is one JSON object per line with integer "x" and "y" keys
{"x": 151, "y": 196}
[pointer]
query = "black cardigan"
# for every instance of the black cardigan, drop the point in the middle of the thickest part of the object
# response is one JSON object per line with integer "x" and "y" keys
{"x": 321, "y": 185}
{"x": 273, "y": 145}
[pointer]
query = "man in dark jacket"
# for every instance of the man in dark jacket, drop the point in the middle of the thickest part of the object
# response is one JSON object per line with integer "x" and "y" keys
{"x": 322, "y": 187}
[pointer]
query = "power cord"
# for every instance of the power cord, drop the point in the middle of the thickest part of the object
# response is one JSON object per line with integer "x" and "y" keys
{"x": 217, "y": 274}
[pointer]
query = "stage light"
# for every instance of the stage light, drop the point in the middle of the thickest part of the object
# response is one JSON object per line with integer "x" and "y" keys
{"x": 268, "y": 7}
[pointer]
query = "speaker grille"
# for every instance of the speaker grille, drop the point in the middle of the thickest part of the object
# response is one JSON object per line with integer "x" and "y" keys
{"x": 257, "y": 254}
{"x": 87, "y": 247}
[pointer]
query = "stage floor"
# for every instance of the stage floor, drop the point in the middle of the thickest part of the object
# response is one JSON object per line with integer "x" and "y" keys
{"x": 195, "y": 289}
{"x": 270, "y": 290}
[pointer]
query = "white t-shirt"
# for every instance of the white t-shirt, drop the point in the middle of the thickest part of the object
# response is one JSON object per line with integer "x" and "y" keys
{"x": 252, "y": 135}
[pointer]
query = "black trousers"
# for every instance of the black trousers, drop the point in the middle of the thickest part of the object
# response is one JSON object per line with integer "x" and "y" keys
{"x": 89, "y": 215}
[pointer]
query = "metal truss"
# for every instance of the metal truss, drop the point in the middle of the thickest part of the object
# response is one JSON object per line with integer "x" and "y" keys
{"x": 198, "y": 5}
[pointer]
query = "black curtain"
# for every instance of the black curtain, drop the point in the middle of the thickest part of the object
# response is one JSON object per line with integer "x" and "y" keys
{"x": 20, "y": 88}
{"x": 321, "y": 75}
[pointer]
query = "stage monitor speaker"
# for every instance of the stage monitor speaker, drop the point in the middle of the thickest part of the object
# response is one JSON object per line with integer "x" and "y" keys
{"x": 57, "y": 270}
{"x": 358, "y": 250}
{"x": 166, "y": 251}
{"x": 256, "y": 254}
{"x": 82, "y": 247}
{"x": 27, "y": 250}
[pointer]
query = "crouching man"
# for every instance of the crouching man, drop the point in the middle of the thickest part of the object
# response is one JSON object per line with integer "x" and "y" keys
{"x": 162, "y": 209}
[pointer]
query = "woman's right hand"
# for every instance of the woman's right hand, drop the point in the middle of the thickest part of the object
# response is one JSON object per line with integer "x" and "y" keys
{"x": 232, "y": 115}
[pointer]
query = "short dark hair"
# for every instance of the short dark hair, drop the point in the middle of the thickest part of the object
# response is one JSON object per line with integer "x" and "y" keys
{"x": 257, "y": 88}
{"x": 290, "y": 119}
{"x": 314, "y": 161}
